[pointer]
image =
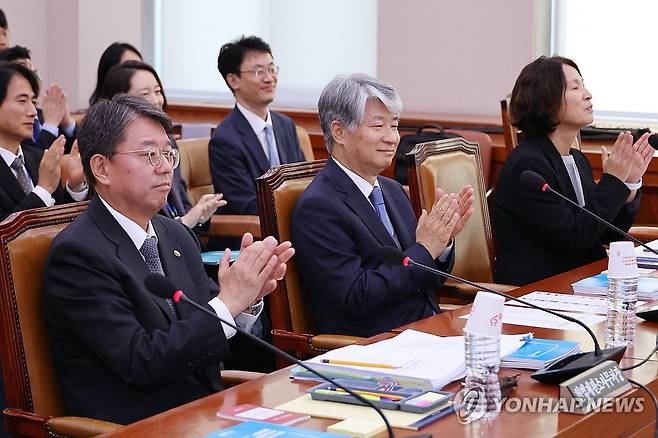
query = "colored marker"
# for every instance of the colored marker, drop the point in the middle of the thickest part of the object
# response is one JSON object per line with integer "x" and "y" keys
{"x": 358, "y": 364}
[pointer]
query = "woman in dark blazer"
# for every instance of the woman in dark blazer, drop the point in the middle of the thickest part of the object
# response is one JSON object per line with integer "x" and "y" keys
{"x": 537, "y": 233}
{"x": 139, "y": 79}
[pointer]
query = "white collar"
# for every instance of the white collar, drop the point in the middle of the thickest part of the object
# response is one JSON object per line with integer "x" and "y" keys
{"x": 364, "y": 186}
{"x": 9, "y": 156}
{"x": 134, "y": 231}
{"x": 256, "y": 123}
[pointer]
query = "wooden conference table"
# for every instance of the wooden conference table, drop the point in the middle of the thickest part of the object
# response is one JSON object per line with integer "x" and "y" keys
{"x": 199, "y": 418}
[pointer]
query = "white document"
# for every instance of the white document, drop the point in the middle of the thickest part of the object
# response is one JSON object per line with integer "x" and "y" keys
{"x": 537, "y": 318}
{"x": 566, "y": 302}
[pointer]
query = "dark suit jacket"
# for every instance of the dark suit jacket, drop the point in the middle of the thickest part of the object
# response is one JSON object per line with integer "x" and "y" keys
{"x": 12, "y": 197}
{"x": 237, "y": 158}
{"x": 46, "y": 139}
{"x": 337, "y": 235}
{"x": 119, "y": 354}
{"x": 538, "y": 234}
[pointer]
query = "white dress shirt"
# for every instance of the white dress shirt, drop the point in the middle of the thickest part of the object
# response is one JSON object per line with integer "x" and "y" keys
{"x": 258, "y": 126}
{"x": 245, "y": 320}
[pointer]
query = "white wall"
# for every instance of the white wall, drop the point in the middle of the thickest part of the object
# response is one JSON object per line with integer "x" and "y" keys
{"x": 458, "y": 56}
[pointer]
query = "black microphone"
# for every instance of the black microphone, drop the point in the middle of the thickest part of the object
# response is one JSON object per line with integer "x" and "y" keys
{"x": 534, "y": 181}
{"x": 555, "y": 373}
{"x": 162, "y": 287}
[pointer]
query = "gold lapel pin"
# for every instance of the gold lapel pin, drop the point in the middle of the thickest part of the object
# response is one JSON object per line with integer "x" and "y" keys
{"x": 177, "y": 253}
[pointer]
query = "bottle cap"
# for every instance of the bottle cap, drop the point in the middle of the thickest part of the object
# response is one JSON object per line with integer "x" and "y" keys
{"x": 621, "y": 260}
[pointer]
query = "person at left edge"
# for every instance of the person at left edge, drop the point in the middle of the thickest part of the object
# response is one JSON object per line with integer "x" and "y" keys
{"x": 30, "y": 176}
{"x": 121, "y": 353}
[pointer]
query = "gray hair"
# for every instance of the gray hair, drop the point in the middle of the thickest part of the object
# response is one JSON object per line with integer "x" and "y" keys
{"x": 344, "y": 100}
{"x": 105, "y": 123}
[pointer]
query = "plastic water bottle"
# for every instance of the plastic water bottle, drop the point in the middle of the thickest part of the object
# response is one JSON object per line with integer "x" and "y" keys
{"x": 620, "y": 324}
{"x": 482, "y": 356}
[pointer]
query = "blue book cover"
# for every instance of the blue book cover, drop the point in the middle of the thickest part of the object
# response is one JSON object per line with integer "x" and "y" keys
{"x": 542, "y": 351}
{"x": 645, "y": 285}
{"x": 253, "y": 429}
{"x": 213, "y": 257}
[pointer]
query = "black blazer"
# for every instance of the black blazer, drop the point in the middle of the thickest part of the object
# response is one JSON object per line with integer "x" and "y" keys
{"x": 119, "y": 354}
{"x": 237, "y": 158}
{"x": 12, "y": 197}
{"x": 538, "y": 234}
{"x": 337, "y": 234}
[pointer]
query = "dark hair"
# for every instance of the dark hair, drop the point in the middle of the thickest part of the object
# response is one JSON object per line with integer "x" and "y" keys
{"x": 118, "y": 79}
{"x": 232, "y": 54}
{"x": 538, "y": 94}
{"x": 10, "y": 69}
{"x": 15, "y": 53}
{"x": 104, "y": 126}
{"x": 110, "y": 57}
{"x": 3, "y": 20}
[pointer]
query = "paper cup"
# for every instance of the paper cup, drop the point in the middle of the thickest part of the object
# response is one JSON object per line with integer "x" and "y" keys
{"x": 621, "y": 260}
{"x": 486, "y": 318}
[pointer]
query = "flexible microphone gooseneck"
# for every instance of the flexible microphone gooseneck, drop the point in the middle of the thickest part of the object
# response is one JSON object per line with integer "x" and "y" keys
{"x": 162, "y": 287}
{"x": 556, "y": 373}
{"x": 535, "y": 181}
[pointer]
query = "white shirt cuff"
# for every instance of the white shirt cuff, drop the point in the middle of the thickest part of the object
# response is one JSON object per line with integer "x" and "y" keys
{"x": 77, "y": 196}
{"x": 634, "y": 186}
{"x": 54, "y": 130}
{"x": 446, "y": 252}
{"x": 68, "y": 132}
{"x": 44, "y": 195}
{"x": 245, "y": 321}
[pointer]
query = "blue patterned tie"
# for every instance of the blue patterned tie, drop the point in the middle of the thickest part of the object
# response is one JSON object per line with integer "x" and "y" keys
{"x": 149, "y": 250}
{"x": 36, "y": 130}
{"x": 272, "y": 152}
{"x": 377, "y": 200}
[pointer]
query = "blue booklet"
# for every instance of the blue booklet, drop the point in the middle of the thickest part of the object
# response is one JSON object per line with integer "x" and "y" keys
{"x": 253, "y": 429}
{"x": 539, "y": 353}
{"x": 647, "y": 287}
{"x": 213, "y": 257}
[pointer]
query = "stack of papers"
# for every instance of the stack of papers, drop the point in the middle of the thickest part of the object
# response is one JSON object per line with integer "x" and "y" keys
{"x": 645, "y": 258}
{"x": 539, "y": 353}
{"x": 647, "y": 287}
{"x": 412, "y": 359}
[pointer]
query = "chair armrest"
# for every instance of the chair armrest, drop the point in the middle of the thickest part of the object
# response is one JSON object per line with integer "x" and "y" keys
{"x": 79, "y": 427}
{"x": 232, "y": 378}
{"x": 644, "y": 234}
{"x": 228, "y": 225}
{"x": 331, "y": 342}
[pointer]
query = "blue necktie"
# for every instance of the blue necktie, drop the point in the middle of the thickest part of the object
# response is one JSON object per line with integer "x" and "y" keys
{"x": 272, "y": 152}
{"x": 36, "y": 130}
{"x": 377, "y": 200}
{"x": 151, "y": 255}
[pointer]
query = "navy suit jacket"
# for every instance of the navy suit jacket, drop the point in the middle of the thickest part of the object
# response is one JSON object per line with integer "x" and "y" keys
{"x": 538, "y": 234}
{"x": 337, "y": 234}
{"x": 12, "y": 197}
{"x": 237, "y": 158}
{"x": 119, "y": 352}
{"x": 46, "y": 139}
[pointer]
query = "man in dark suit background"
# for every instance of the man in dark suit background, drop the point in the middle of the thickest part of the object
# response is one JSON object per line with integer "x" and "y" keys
{"x": 53, "y": 118}
{"x": 252, "y": 139}
{"x": 120, "y": 352}
{"x": 349, "y": 212}
{"x": 29, "y": 176}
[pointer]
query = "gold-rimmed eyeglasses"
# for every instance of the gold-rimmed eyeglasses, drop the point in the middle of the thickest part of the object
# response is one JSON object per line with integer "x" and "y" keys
{"x": 258, "y": 73}
{"x": 155, "y": 156}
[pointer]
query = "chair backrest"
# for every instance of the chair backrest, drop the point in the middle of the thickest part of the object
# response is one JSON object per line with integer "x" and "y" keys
{"x": 305, "y": 143}
{"x": 278, "y": 192}
{"x": 27, "y": 364}
{"x": 450, "y": 164}
{"x": 510, "y": 132}
{"x": 484, "y": 141}
{"x": 195, "y": 168}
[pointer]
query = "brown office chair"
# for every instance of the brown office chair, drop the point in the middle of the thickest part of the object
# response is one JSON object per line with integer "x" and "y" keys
{"x": 511, "y": 133}
{"x": 34, "y": 401}
{"x": 305, "y": 143}
{"x": 293, "y": 326}
{"x": 195, "y": 170}
{"x": 484, "y": 141}
{"x": 451, "y": 164}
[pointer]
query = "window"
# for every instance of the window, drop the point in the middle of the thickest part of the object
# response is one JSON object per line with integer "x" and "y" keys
{"x": 613, "y": 43}
{"x": 311, "y": 42}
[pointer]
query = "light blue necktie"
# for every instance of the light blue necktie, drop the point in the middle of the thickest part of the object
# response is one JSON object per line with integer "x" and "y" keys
{"x": 377, "y": 200}
{"x": 272, "y": 152}
{"x": 36, "y": 130}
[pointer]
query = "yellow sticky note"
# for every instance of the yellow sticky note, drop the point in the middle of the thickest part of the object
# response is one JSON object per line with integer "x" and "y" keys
{"x": 358, "y": 428}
